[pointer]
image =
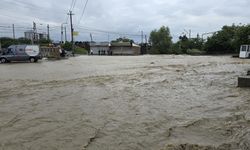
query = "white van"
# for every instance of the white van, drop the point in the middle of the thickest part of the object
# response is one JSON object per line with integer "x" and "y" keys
{"x": 245, "y": 51}
{"x": 21, "y": 53}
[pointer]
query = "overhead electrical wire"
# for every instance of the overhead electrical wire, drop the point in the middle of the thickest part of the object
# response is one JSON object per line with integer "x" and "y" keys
{"x": 73, "y": 5}
{"x": 108, "y": 32}
{"x": 84, "y": 9}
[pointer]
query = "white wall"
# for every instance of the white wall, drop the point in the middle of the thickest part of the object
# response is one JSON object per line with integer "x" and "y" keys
{"x": 96, "y": 50}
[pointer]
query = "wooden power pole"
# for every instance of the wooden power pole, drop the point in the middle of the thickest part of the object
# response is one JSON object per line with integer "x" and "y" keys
{"x": 71, "y": 26}
{"x": 72, "y": 30}
{"x": 13, "y": 29}
{"x": 48, "y": 36}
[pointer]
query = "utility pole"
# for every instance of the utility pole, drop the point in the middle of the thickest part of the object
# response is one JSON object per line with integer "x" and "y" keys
{"x": 61, "y": 33}
{"x": 65, "y": 33}
{"x": 146, "y": 45}
{"x": 91, "y": 37}
{"x": 34, "y": 33}
{"x": 13, "y": 29}
{"x": 190, "y": 33}
{"x": 62, "y": 28}
{"x": 72, "y": 30}
{"x": 141, "y": 37}
{"x": 48, "y": 32}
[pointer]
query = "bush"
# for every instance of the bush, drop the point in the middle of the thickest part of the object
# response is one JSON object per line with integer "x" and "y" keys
{"x": 195, "y": 52}
{"x": 67, "y": 46}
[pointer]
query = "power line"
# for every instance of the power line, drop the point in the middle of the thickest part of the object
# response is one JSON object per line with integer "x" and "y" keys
{"x": 17, "y": 27}
{"x": 73, "y": 5}
{"x": 109, "y": 32}
{"x": 83, "y": 11}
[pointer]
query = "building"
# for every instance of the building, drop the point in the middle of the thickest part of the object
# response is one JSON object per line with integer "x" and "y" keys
{"x": 125, "y": 48}
{"x": 115, "y": 48}
{"x": 30, "y": 34}
{"x": 99, "y": 48}
{"x": 42, "y": 36}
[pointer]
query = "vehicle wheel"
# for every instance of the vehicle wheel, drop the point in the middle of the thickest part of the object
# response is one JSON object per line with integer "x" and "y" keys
{"x": 3, "y": 60}
{"x": 32, "y": 60}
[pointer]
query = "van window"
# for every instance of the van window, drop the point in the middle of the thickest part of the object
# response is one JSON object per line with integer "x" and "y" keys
{"x": 244, "y": 48}
{"x": 9, "y": 51}
{"x": 21, "y": 50}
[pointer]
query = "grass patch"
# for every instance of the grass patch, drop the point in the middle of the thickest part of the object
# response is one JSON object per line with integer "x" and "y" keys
{"x": 81, "y": 51}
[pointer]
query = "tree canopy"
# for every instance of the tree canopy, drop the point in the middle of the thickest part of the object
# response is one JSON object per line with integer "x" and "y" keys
{"x": 228, "y": 39}
{"x": 124, "y": 39}
{"x": 6, "y": 42}
{"x": 161, "y": 41}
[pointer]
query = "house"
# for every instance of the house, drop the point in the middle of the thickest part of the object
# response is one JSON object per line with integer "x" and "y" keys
{"x": 99, "y": 48}
{"x": 124, "y": 48}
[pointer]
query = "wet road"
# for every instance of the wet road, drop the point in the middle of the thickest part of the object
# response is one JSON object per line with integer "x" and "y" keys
{"x": 125, "y": 103}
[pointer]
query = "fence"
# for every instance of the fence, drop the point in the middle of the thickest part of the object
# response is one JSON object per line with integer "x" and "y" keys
{"x": 50, "y": 52}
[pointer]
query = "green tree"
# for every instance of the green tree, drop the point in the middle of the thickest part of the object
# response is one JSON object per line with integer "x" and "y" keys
{"x": 6, "y": 42}
{"x": 44, "y": 41}
{"x": 185, "y": 44}
{"x": 228, "y": 39}
{"x": 67, "y": 46}
{"x": 176, "y": 48}
{"x": 242, "y": 36}
{"x": 161, "y": 41}
{"x": 23, "y": 40}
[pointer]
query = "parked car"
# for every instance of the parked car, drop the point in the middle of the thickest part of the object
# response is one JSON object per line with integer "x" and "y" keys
{"x": 21, "y": 53}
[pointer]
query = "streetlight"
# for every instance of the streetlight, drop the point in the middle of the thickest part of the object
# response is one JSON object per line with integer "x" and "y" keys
{"x": 62, "y": 32}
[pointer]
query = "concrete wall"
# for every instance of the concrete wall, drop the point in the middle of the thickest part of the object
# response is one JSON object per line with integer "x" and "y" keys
{"x": 125, "y": 50}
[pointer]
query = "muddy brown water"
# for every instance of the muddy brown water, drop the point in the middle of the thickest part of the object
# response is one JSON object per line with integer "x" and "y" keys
{"x": 126, "y": 103}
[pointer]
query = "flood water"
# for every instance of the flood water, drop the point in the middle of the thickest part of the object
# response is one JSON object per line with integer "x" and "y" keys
{"x": 125, "y": 103}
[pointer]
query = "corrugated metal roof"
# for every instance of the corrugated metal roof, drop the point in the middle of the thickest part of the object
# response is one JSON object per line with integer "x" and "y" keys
{"x": 125, "y": 44}
{"x": 99, "y": 44}
{"x": 114, "y": 44}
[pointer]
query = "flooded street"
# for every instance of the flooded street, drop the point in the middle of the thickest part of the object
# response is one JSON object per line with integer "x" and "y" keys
{"x": 126, "y": 103}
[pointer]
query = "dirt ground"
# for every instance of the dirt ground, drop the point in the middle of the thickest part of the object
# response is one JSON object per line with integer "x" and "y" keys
{"x": 125, "y": 103}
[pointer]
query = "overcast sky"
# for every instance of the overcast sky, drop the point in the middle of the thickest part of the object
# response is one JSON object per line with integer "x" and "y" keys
{"x": 123, "y": 16}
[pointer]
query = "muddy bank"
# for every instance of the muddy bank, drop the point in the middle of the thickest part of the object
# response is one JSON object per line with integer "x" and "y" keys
{"x": 142, "y": 102}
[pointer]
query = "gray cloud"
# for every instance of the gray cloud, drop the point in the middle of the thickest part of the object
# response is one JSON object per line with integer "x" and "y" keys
{"x": 130, "y": 16}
